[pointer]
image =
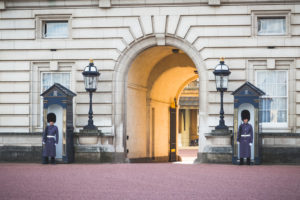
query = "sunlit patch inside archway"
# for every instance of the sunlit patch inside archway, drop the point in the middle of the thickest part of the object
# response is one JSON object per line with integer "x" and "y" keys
{"x": 155, "y": 80}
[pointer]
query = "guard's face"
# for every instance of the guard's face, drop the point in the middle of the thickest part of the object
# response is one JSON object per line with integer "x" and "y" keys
{"x": 245, "y": 121}
{"x": 51, "y": 123}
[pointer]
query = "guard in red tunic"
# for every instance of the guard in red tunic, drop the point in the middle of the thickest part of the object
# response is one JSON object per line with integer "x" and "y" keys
{"x": 50, "y": 139}
{"x": 245, "y": 137}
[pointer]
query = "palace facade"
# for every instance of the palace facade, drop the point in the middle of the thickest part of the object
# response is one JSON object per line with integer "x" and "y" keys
{"x": 147, "y": 52}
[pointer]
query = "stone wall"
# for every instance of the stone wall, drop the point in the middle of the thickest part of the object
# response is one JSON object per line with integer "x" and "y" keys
{"x": 20, "y": 147}
{"x": 281, "y": 148}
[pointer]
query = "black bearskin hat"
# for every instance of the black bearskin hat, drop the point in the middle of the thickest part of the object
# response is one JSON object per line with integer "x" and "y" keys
{"x": 245, "y": 115}
{"x": 51, "y": 117}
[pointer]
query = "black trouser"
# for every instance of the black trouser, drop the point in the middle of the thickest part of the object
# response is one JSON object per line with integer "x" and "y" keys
{"x": 242, "y": 161}
{"x": 46, "y": 160}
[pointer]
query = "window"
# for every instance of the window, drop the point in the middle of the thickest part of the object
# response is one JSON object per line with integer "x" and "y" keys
{"x": 274, "y": 105}
{"x": 48, "y": 79}
{"x": 271, "y": 23}
{"x": 53, "y": 26}
{"x": 271, "y": 26}
{"x": 55, "y": 29}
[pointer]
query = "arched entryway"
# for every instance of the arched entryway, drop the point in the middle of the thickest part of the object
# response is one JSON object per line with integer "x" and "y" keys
{"x": 154, "y": 81}
{"x": 148, "y": 82}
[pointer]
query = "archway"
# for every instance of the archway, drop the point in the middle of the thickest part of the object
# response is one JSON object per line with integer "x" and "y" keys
{"x": 149, "y": 80}
{"x": 154, "y": 79}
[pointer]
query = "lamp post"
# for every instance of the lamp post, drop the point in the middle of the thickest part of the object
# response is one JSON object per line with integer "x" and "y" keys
{"x": 91, "y": 76}
{"x": 221, "y": 73}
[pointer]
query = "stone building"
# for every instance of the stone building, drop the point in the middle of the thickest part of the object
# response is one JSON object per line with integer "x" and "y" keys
{"x": 147, "y": 51}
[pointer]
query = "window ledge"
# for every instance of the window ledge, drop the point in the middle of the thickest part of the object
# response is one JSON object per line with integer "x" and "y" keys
{"x": 276, "y": 130}
{"x": 275, "y": 134}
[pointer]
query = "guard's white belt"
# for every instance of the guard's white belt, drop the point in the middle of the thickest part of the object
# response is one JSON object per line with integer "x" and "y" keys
{"x": 246, "y": 135}
{"x": 50, "y": 136}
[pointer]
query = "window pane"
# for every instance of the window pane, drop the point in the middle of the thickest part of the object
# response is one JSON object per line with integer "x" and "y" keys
{"x": 281, "y": 90}
{"x": 46, "y": 81}
{"x": 281, "y": 102}
{"x": 270, "y": 77}
{"x": 282, "y": 116}
{"x": 66, "y": 80}
{"x": 281, "y": 77}
{"x": 56, "y": 29}
{"x": 56, "y": 77}
{"x": 271, "y": 26}
{"x": 261, "y": 76}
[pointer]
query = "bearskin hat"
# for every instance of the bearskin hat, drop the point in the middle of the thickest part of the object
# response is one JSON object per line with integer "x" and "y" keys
{"x": 245, "y": 115}
{"x": 51, "y": 117}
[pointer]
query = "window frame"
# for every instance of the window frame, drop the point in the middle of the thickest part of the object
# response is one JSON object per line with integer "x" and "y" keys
{"x": 271, "y": 14}
{"x": 41, "y": 20}
{"x": 272, "y": 125}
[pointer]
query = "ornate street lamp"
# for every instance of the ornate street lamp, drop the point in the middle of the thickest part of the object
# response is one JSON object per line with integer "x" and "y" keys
{"x": 91, "y": 76}
{"x": 221, "y": 73}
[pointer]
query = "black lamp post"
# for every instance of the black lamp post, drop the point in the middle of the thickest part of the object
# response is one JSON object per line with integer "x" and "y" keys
{"x": 91, "y": 76}
{"x": 221, "y": 73}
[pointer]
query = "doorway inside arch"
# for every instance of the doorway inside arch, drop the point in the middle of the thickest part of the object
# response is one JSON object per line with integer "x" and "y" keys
{"x": 156, "y": 79}
{"x": 188, "y": 123}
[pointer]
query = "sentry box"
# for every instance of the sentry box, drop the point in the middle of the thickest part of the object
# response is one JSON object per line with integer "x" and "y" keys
{"x": 247, "y": 98}
{"x": 59, "y": 100}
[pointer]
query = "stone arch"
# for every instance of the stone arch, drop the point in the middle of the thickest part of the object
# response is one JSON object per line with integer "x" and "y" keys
{"x": 120, "y": 83}
{"x": 183, "y": 86}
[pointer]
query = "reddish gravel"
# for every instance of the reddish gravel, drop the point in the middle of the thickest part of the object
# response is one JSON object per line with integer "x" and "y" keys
{"x": 148, "y": 181}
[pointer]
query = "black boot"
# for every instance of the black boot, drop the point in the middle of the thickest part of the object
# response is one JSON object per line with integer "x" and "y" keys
{"x": 53, "y": 160}
{"x": 248, "y": 161}
{"x": 45, "y": 160}
{"x": 241, "y": 161}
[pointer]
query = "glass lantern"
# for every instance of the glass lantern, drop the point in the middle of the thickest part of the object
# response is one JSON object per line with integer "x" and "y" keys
{"x": 91, "y": 77}
{"x": 221, "y": 73}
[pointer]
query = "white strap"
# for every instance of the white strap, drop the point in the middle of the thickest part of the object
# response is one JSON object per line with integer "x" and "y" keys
{"x": 246, "y": 135}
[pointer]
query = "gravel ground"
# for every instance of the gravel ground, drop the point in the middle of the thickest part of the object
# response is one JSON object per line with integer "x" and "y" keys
{"x": 148, "y": 181}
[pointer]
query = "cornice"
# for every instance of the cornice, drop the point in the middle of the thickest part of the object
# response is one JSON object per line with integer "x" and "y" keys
{"x": 106, "y": 4}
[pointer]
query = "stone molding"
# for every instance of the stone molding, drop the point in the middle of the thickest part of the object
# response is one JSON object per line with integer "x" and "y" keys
{"x": 136, "y": 3}
{"x": 214, "y": 2}
{"x": 2, "y": 5}
{"x": 104, "y": 3}
{"x": 20, "y": 133}
{"x": 280, "y": 134}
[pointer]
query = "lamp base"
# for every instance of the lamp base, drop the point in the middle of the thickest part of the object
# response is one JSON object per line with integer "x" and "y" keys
{"x": 90, "y": 127}
{"x": 221, "y": 127}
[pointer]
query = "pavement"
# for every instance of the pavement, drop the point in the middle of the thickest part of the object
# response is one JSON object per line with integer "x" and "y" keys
{"x": 187, "y": 154}
{"x": 148, "y": 181}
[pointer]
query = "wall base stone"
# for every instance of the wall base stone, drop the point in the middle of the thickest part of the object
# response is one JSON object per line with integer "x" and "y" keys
{"x": 215, "y": 155}
{"x": 20, "y": 154}
{"x": 99, "y": 157}
{"x": 281, "y": 155}
{"x": 149, "y": 160}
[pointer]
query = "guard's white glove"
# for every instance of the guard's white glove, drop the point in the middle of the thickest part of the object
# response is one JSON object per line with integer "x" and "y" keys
{"x": 250, "y": 144}
{"x": 55, "y": 144}
{"x": 238, "y": 142}
{"x": 44, "y": 143}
